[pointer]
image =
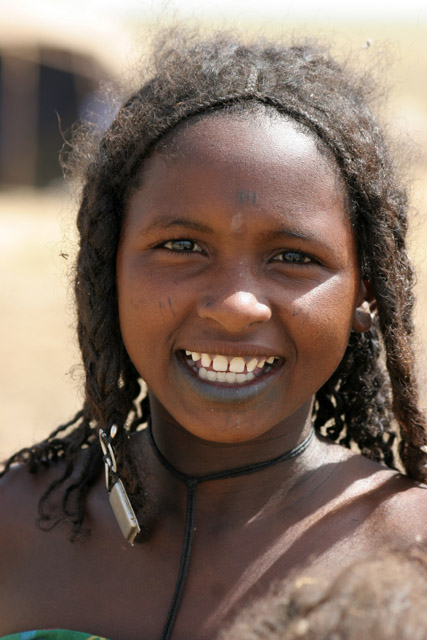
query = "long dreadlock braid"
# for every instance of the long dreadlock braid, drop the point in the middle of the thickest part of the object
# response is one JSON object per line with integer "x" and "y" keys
{"x": 372, "y": 397}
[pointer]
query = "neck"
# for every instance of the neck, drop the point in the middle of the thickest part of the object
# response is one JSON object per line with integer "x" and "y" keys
{"x": 237, "y": 495}
{"x": 195, "y": 457}
{"x": 234, "y": 472}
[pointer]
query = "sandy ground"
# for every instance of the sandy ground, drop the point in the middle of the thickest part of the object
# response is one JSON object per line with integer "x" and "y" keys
{"x": 36, "y": 338}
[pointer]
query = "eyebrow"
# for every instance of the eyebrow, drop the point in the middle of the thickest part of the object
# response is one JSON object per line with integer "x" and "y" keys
{"x": 285, "y": 232}
{"x": 172, "y": 221}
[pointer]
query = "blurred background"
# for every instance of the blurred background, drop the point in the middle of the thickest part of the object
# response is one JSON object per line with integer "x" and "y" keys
{"x": 54, "y": 57}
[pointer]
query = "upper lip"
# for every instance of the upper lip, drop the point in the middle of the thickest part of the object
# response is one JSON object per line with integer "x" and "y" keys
{"x": 232, "y": 349}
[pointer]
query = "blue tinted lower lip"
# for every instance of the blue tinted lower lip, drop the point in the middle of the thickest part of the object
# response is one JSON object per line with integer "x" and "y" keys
{"x": 223, "y": 393}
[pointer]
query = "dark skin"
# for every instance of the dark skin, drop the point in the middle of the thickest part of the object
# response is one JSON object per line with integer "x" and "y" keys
{"x": 237, "y": 243}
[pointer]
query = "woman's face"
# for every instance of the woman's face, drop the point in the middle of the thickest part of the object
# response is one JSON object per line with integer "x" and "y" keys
{"x": 237, "y": 275}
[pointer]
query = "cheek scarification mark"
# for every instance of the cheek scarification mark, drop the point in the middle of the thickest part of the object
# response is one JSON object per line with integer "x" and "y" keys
{"x": 171, "y": 306}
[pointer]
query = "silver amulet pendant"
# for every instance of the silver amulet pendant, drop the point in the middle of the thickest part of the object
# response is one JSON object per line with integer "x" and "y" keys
{"x": 119, "y": 499}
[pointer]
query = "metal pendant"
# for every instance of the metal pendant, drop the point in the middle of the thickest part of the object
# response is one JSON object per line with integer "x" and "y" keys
{"x": 119, "y": 499}
{"x": 123, "y": 511}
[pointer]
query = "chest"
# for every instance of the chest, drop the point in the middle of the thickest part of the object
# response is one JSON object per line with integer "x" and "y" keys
{"x": 104, "y": 586}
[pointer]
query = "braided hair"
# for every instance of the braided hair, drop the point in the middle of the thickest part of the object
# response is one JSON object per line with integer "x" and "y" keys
{"x": 371, "y": 400}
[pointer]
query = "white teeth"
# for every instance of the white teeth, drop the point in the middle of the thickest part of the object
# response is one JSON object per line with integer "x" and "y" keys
{"x": 220, "y": 363}
{"x": 228, "y": 377}
{"x": 250, "y": 366}
{"x": 206, "y": 360}
{"x": 237, "y": 365}
{"x": 219, "y": 368}
{"x": 193, "y": 354}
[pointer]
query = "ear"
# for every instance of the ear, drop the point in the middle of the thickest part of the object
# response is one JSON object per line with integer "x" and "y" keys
{"x": 366, "y": 305}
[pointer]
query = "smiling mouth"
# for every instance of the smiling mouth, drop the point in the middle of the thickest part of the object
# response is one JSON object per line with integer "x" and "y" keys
{"x": 228, "y": 370}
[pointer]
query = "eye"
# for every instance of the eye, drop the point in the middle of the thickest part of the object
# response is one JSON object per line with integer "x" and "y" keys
{"x": 182, "y": 245}
{"x": 293, "y": 257}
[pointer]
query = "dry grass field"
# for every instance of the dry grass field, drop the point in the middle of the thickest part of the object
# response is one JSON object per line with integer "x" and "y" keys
{"x": 37, "y": 352}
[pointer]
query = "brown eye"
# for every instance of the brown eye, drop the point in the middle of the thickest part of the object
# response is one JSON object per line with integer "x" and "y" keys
{"x": 182, "y": 245}
{"x": 294, "y": 257}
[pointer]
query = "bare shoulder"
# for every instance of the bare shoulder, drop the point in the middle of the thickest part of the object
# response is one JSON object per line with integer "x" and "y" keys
{"x": 404, "y": 511}
{"x": 22, "y": 528}
{"x": 397, "y": 505}
{"x": 31, "y": 549}
{"x": 20, "y": 496}
{"x": 20, "y": 492}
{"x": 386, "y": 507}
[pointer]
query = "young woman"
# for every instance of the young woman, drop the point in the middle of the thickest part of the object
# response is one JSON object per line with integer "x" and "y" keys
{"x": 242, "y": 251}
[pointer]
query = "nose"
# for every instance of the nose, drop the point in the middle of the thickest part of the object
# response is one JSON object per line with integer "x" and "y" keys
{"x": 234, "y": 311}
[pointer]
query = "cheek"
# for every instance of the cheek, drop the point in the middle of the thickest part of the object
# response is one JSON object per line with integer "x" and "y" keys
{"x": 139, "y": 309}
{"x": 322, "y": 319}
{"x": 332, "y": 303}
{"x": 148, "y": 314}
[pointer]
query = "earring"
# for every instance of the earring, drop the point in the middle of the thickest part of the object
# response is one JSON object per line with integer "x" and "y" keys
{"x": 363, "y": 318}
{"x": 119, "y": 499}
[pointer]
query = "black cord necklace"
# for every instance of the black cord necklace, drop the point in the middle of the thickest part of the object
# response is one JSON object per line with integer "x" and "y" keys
{"x": 191, "y": 483}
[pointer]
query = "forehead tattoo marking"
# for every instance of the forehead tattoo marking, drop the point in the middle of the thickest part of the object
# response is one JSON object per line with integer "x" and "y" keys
{"x": 246, "y": 197}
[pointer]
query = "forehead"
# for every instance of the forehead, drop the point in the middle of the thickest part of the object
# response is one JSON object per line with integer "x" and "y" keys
{"x": 263, "y": 149}
{"x": 242, "y": 178}
{"x": 244, "y": 126}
